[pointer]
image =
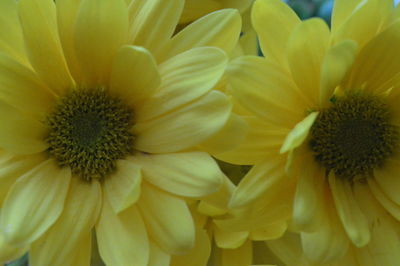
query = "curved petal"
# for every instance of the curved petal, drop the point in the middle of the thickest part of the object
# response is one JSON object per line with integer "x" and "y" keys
{"x": 354, "y": 221}
{"x": 266, "y": 15}
{"x": 184, "y": 127}
{"x": 342, "y": 10}
{"x": 168, "y": 220}
{"x": 122, "y": 238}
{"x": 153, "y": 22}
{"x": 261, "y": 138}
{"x": 219, "y": 29}
{"x": 10, "y": 252}
{"x": 20, "y": 134}
{"x": 226, "y": 239}
{"x": 190, "y": 174}
{"x": 39, "y": 24}
{"x": 377, "y": 65}
{"x": 134, "y": 76}
{"x": 34, "y": 202}
{"x": 262, "y": 177}
{"x": 305, "y": 52}
{"x": 158, "y": 257}
{"x": 21, "y": 88}
{"x": 298, "y": 135}
{"x": 185, "y": 77}
{"x": 387, "y": 203}
{"x": 194, "y": 9}
{"x": 11, "y": 38}
{"x": 58, "y": 245}
{"x": 229, "y": 137}
{"x": 101, "y": 28}
{"x": 67, "y": 12}
{"x": 123, "y": 187}
{"x": 239, "y": 256}
{"x": 388, "y": 179}
{"x": 335, "y": 66}
{"x": 266, "y": 89}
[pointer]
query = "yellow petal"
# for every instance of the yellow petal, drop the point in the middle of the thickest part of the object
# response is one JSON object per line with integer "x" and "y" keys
{"x": 265, "y": 89}
{"x": 184, "y": 127}
{"x": 199, "y": 255}
{"x": 354, "y": 221}
{"x": 123, "y": 187}
{"x": 194, "y": 9}
{"x": 190, "y": 174}
{"x": 219, "y": 29}
{"x": 271, "y": 231}
{"x": 229, "y": 137}
{"x": 261, "y": 138}
{"x": 39, "y": 24}
{"x": 387, "y": 203}
{"x": 10, "y": 252}
{"x": 262, "y": 177}
{"x": 21, "y": 88}
{"x": 185, "y": 77}
{"x": 19, "y": 133}
{"x": 342, "y": 10}
{"x": 81, "y": 210}
{"x": 217, "y": 202}
{"x": 305, "y": 53}
{"x": 168, "y": 220}
{"x": 152, "y": 23}
{"x": 101, "y": 28}
{"x": 13, "y": 168}
{"x": 266, "y": 15}
{"x": 355, "y": 26}
{"x": 387, "y": 178}
{"x": 299, "y": 133}
{"x": 226, "y": 239}
{"x": 377, "y": 65}
{"x": 241, "y": 256}
{"x": 309, "y": 187}
{"x": 11, "y": 39}
{"x": 122, "y": 238}
{"x": 158, "y": 257}
{"x": 67, "y": 12}
{"x": 134, "y": 75}
{"x": 83, "y": 251}
{"x": 335, "y": 66}
{"x": 34, "y": 202}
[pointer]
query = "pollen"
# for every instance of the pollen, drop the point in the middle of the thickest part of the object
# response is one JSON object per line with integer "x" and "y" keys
{"x": 354, "y": 135}
{"x": 89, "y": 130}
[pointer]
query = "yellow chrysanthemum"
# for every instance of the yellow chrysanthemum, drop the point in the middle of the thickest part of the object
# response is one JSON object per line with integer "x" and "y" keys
{"x": 327, "y": 120}
{"x": 103, "y": 114}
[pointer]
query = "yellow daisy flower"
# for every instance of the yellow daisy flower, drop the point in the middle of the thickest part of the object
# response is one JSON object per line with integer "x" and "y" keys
{"x": 103, "y": 114}
{"x": 327, "y": 120}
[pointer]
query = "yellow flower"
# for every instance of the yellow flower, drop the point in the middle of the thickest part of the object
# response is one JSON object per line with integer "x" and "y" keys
{"x": 327, "y": 120}
{"x": 102, "y": 115}
{"x": 195, "y": 9}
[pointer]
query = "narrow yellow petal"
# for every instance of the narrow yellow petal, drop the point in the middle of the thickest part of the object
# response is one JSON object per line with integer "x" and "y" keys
{"x": 19, "y": 133}
{"x": 224, "y": 33}
{"x": 194, "y": 9}
{"x": 21, "y": 88}
{"x": 185, "y": 77}
{"x": 190, "y": 174}
{"x": 387, "y": 203}
{"x": 134, "y": 76}
{"x": 266, "y": 89}
{"x": 387, "y": 178}
{"x": 158, "y": 257}
{"x": 83, "y": 251}
{"x": 354, "y": 221}
{"x": 101, "y": 28}
{"x": 39, "y": 24}
{"x": 266, "y": 15}
{"x": 34, "y": 202}
{"x": 152, "y": 23}
{"x": 58, "y": 246}
{"x": 123, "y": 187}
{"x": 262, "y": 177}
{"x": 342, "y": 10}
{"x": 11, "y": 38}
{"x": 335, "y": 66}
{"x": 305, "y": 53}
{"x": 168, "y": 220}
{"x": 122, "y": 238}
{"x": 226, "y": 239}
{"x": 184, "y": 127}
{"x": 299, "y": 133}
{"x": 241, "y": 256}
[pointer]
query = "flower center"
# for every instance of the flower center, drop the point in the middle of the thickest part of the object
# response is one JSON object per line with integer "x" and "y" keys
{"x": 88, "y": 131}
{"x": 354, "y": 135}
